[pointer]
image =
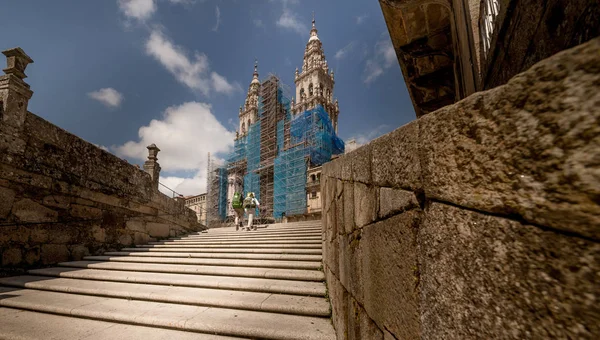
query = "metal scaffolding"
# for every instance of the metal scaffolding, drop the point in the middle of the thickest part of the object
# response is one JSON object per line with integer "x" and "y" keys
{"x": 216, "y": 192}
{"x": 276, "y": 153}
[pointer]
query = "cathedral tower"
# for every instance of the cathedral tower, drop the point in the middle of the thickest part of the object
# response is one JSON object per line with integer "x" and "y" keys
{"x": 314, "y": 84}
{"x": 249, "y": 112}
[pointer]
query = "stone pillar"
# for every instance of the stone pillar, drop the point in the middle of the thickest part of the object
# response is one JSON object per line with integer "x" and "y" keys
{"x": 151, "y": 166}
{"x": 14, "y": 98}
{"x": 14, "y": 92}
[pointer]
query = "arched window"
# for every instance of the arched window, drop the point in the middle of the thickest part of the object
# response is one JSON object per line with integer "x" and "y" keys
{"x": 310, "y": 89}
{"x": 321, "y": 90}
{"x": 243, "y": 127}
{"x": 313, "y": 178}
{"x": 302, "y": 93}
{"x": 249, "y": 124}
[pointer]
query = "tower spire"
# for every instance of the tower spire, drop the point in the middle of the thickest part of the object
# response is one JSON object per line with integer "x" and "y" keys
{"x": 255, "y": 74}
{"x": 313, "y": 30}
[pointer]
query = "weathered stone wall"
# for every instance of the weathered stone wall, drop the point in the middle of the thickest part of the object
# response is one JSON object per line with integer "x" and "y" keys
{"x": 529, "y": 31}
{"x": 62, "y": 198}
{"x": 478, "y": 221}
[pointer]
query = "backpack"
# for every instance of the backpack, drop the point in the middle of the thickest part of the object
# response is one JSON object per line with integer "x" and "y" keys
{"x": 236, "y": 203}
{"x": 249, "y": 202}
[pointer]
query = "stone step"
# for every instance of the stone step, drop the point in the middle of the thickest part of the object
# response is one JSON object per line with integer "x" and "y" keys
{"x": 238, "y": 242}
{"x": 211, "y": 262}
{"x": 315, "y": 251}
{"x": 262, "y": 228}
{"x": 249, "y": 235}
{"x": 212, "y": 320}
{"x": 317, "y": 238}
{"x": 268, "y": 273}
{"x": 26, "y": 325}
{"x": 265, "y": 302}
{"x": 284, "y": 257}
{"x": 267, "y": 231}
{"x": 278, "y": 245}
{"x": 307, "y": 288}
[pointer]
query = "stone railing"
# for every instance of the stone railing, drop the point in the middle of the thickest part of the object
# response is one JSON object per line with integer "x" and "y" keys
{"x": 62, "y": 198}
{"x": 480, "y": 220}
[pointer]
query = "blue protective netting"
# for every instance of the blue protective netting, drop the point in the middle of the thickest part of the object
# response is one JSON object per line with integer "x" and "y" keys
{"x": 279, "y": 174}
{"x": 253, "y": 147}
{"x": 222, "y": 189}
{"x": 239, "y": 150}
{"x": 251, "y": 179}
{"x": 312, "y": 142}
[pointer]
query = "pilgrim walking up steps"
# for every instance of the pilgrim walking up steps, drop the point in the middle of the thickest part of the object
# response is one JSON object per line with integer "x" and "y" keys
{"x": 222, "y": 284}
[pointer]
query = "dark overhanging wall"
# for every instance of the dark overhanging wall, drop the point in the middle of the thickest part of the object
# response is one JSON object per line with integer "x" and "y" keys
{"x": 477, "y": 221}
{"x": 526, "y": 32}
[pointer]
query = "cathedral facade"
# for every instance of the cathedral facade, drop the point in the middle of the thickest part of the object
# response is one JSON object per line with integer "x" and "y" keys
{"x": 283, "y": 138}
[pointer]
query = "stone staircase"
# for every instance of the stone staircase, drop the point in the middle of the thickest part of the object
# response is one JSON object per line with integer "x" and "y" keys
{"x": 265, "y": 284}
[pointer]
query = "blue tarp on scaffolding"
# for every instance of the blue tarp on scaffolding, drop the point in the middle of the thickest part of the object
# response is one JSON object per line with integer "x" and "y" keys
{"x": 239, "y": 150}
{"x": 222, "y": 176}
{"x": 313, "y": 140}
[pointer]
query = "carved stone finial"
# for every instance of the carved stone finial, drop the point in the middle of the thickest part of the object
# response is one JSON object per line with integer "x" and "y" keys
{"x": 151, "y": 166}
{"x": 152, "y": 152}
{"x": 16, "y": 62}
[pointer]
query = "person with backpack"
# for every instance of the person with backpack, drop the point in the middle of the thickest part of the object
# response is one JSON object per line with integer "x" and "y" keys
{"x": 250, "y": 205}
{"x": 238, "y": 207}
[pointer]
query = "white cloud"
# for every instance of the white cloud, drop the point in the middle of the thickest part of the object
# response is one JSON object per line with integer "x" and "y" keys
{"x": 185, "y": 135}
{"x": 361, "y": 18}
{"x": 386, "y": 50}
{"x": 218, "y": 14}
{"x": 193, "y": 72}
{"x": 372, "y": 71}
{"x": 384, "y": 57}
{"x": 182, "y": 2}
{"x": 221, "y": 85}
{"x": 137, "y": 9}
{"x": 344, "y": 51}
{"x": 289, "y": 20}
{"x": 186, "y": 186}
{"x": 366, "y": 137}
{"x": 107, "y": 96}
{"x": 287, "y": 2}
{"x": 258, "y": 23}
{"x": 102, "y": 147}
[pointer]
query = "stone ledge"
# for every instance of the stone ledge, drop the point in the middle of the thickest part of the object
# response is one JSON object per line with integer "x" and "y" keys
{"x": 495, "y": 277}
{"x": 528, "y": 148}
{"x": 377, "y": 265}
{"x": 394, "y": 201}
{"x": 395, "y": 160}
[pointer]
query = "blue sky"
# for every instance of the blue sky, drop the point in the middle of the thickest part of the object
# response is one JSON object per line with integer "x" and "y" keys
{"x": 126, "y": 73}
